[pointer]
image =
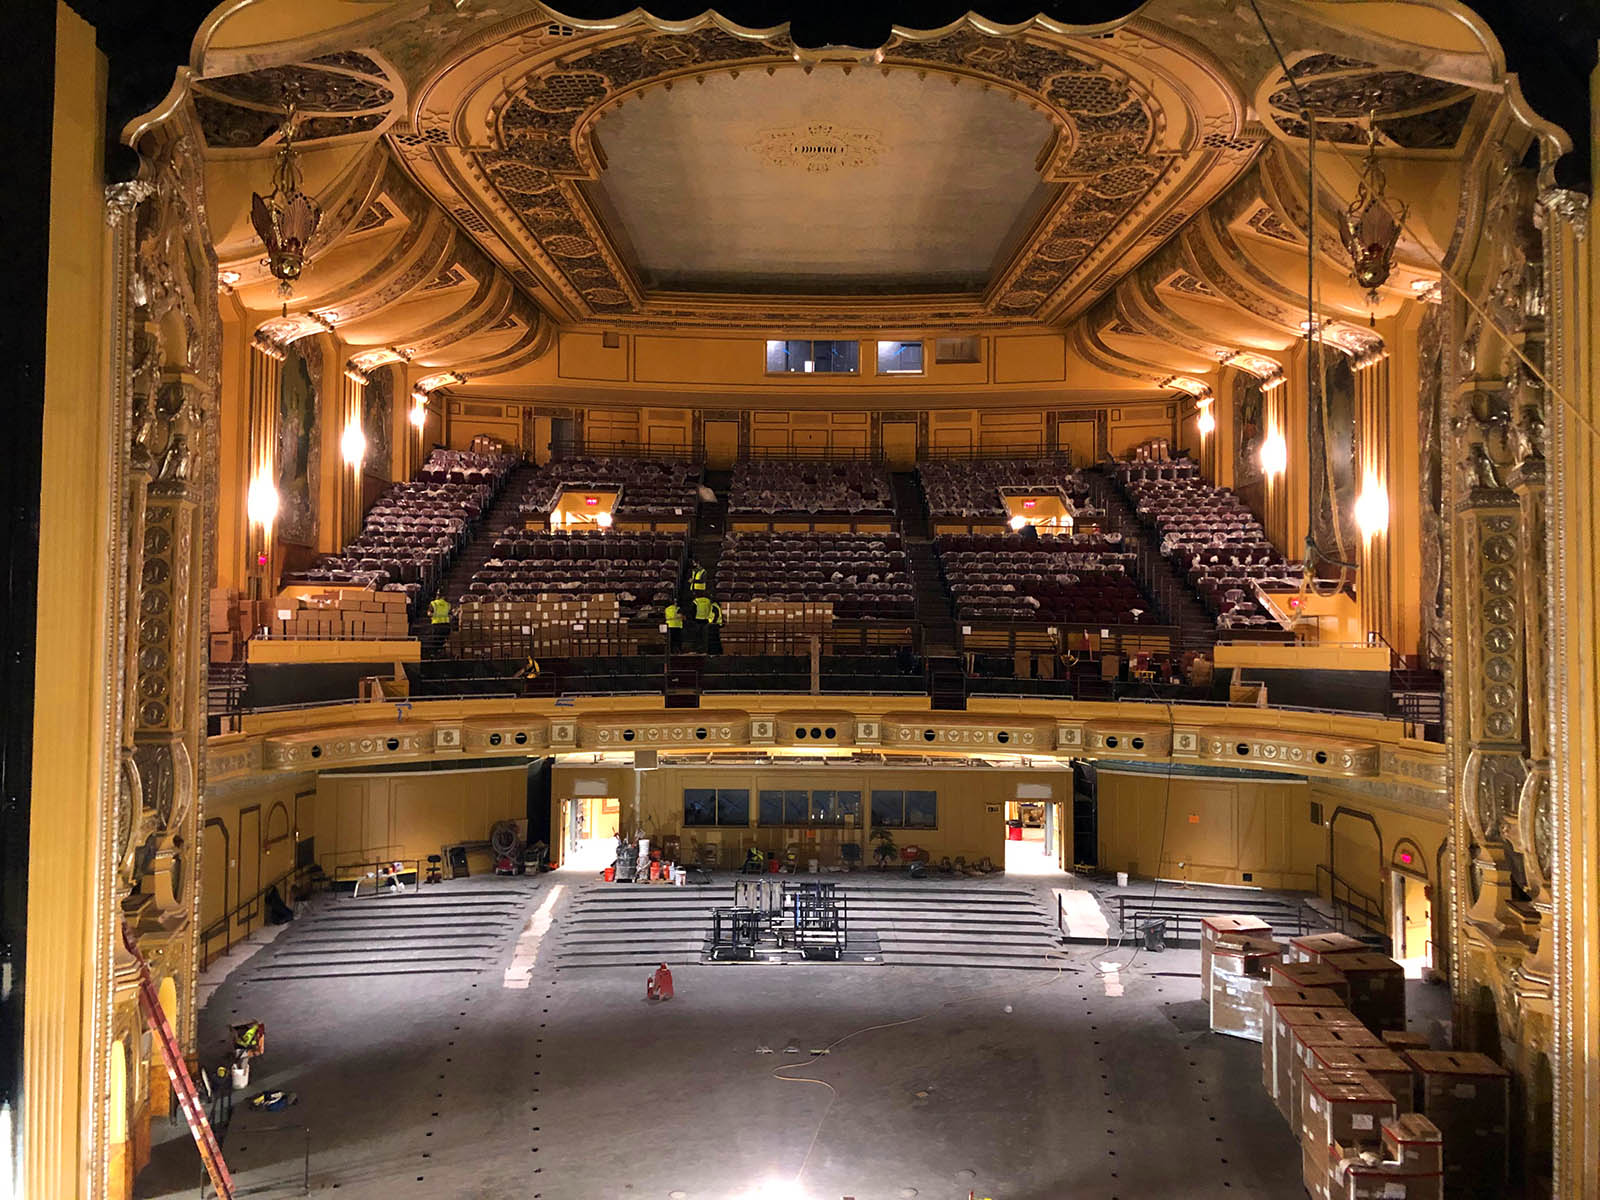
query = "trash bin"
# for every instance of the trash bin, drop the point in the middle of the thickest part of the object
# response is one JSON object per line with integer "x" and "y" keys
{"x": 1014, "y": 830}
{"x": 1154, "y": 932}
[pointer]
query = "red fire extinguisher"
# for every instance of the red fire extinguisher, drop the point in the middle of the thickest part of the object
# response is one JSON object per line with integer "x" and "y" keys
{"x": 659, "y": 985}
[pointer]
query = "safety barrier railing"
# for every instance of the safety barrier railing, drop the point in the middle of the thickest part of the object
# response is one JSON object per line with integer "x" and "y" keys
{"x": 247, "y": 916}
{"x": 1350, "y": 904}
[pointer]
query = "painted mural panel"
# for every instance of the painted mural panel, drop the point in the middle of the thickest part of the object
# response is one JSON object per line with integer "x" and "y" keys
{"x": 1249, "y": 424}
{"x": 299, "y": 442}
{"x": 377, "y": 422}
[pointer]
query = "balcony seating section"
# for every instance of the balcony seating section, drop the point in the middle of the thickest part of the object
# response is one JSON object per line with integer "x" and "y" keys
{"x": 466, "y": 466}
{"x": 972, "y": 487}
{"x": 863, "y": 575}
{"x": 414, "y": 530}
{"x": 1077, "y": 580}
{"x": 640, "y": 569}
{"x": 777, "y": 486}
{"x": 1210, "y": 538}
{"x": 650, "y": 487}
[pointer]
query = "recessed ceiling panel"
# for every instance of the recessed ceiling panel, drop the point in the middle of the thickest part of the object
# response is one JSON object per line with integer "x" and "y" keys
{"x": 821, "y": 182}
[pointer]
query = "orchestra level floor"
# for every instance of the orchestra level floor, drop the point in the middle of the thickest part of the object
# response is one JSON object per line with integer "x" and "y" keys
{"x": 937, "y": 1081}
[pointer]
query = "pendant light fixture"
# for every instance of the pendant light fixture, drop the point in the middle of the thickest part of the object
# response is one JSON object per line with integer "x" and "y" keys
{"x": 1370, "y": 227}
{"x": 285, "y": 218}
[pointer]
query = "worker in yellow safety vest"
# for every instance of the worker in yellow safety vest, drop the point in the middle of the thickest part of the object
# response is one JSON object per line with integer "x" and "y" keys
{"x": 674, "y": 627}
{"x": 714, "y": 621}
{"x": 697, "y": 580}
{"x": 439, "y": 622}
{"x": 700, "y": 634}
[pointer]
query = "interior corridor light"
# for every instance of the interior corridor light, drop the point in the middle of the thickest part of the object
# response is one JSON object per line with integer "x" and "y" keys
{"x": 1017, "y": 522}
{"x": 603, "y": 519}
{"x": 261, "y": 502}
{"x": 1274, "y": 455}
{"x": 353, "y": 443}
{"x": 1372, "y": 507}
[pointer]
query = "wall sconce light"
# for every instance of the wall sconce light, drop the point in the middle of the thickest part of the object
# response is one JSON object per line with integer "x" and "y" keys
{"x": 353, "y": 443}
{"x": 1205, "y": 422}
{"x": 419, "y": 414}
{"x": 1274, "y": 454}
{"x": 261, "y": 503}
{"x": 1372, "y": 507}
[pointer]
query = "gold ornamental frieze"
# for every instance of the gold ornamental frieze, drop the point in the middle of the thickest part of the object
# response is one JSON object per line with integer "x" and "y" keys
{"x": 505, "y": 737}
{"x": 655, "y": 731}
{"x": 940, "y": 731}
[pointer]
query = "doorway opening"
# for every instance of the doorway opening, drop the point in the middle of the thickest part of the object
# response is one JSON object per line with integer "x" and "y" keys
{"x": 1411, "y": 921}
{"x": 1033, "y": 837}
{"x": 589, "y": 827}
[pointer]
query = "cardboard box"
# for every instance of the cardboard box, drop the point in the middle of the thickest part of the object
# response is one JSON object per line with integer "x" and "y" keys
{"x": 1273, "y": 998}
{"x": 1337, "y": 1108}
{"x": 1311, "y": 947}
{"x": 220, "y": 615}
{"x": 1236, "y": 1003}
{"x": 1377, "y": 988}
{"x": 1383, "y": 1064}
{"x": 1408, "y": 1165}
{"x": 1237, "y": 956}
{"x": 1289, "y": 1053}
{"x": 1414, "y": 1144}
{"x": 222, "y": 647}
{"x": 1401, "y": 1040}
{"x": 1306, "y": 1041}
{"x": 1213, "y": 927}
{"x": 1468, "y": 1097}
{"x": 1310, "y": 975}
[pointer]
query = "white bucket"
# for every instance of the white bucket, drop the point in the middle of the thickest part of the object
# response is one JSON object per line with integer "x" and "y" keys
{"x": 1122, "y": 879}
{"x": 813, "y": 866}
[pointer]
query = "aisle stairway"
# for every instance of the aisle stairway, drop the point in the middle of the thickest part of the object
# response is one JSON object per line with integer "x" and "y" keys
{"x": 504, "y": 512}
{"x": 1174, "y": 598}
{"x": 934, "y": 612}
{"x": 931, "y": 923}
{"x": 711, "y": 526}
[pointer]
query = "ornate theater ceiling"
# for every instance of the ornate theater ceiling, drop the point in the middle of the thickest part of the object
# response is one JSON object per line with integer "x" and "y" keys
{"x": 1140, "y": 184}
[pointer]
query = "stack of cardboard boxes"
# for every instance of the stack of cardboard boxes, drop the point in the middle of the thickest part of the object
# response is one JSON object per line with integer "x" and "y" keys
{"x": 1377, "y": 1112}
{"x": 775, "y": 626}
{"x": 554, "y": 626}
{"x": 346, "y": 613}
{"x": 233, "y": 621}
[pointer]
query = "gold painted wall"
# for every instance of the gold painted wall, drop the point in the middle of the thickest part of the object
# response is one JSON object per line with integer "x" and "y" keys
{"x": 67, "y": 904}
{"x": 971, "y": 805}
{"x": 410, "y": 815}
{"x": 1222, "y": 829}
{"x": 248, "y": 843}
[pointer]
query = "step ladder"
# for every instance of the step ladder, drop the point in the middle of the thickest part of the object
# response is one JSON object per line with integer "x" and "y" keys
{"x": 178, "y": 1072}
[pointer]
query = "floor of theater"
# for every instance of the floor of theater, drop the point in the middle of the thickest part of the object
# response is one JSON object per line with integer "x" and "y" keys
{"x": 451, "y": 1081}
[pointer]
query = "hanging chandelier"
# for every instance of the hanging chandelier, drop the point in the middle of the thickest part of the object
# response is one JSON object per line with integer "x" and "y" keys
{"x": 286, "y": 217}
{"x": 1370, "y": 226}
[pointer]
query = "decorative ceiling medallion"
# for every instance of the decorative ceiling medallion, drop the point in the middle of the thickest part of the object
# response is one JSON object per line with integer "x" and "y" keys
{"x": 818, "y": 147}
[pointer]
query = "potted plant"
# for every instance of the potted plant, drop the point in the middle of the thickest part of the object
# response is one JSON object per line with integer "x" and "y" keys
{"x": 883, "y": 847}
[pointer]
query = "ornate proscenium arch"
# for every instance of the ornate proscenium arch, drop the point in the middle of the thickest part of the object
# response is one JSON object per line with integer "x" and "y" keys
{"x": 503, "y": 135}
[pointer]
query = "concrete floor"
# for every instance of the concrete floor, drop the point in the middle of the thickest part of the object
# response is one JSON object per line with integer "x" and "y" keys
{"x": 1018, "y": 1085}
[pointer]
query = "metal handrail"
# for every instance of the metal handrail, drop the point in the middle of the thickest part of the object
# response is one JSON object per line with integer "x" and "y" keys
{"x": 224, "y": 926}
{"x": 1368, "y": 914}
